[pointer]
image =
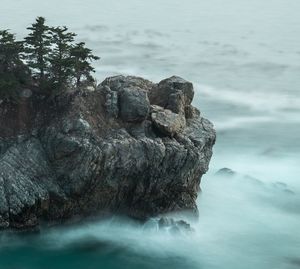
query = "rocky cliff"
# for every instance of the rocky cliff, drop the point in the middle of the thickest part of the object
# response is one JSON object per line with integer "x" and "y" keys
{"x": 128, "y": 147}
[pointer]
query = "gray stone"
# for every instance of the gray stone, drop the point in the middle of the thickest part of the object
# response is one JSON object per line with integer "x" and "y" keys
{"x": 134, "y": 104}
{"x": 191, "y": 112}
{"x": 117, "y": 83}
{"x": 112, "y": 104}
{"x": 173, "y": 93}
{"x": 111, "y": 101}
{"x": 167, "y": 122}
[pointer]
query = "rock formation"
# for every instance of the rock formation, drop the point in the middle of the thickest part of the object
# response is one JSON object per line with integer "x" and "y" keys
{"x": 129, "y": 147}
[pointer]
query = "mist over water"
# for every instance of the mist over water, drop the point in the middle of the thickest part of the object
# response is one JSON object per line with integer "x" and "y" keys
{"x": 244, "y": 60}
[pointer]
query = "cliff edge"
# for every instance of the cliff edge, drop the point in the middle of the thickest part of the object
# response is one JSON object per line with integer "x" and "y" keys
{"x": 128, "y": 147}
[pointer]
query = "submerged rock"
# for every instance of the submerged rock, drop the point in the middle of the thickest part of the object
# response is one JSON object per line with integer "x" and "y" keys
{"x": 226, "y": 172}
{"x": 169, "y": 225}
{"x": 102, "y": 152}
{"x": 174, "y": 226}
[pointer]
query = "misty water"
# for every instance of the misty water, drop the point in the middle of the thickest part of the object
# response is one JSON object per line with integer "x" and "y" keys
{"x": 244, "y": 60}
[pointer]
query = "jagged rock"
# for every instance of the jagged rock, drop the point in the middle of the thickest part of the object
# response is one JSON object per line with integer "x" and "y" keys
{"x": 167, "y": 122}
{"x": 76, "y": 156}
{"x": 172, "y": 93}
{"x": 134, "y": 104}
{"x": 28, "y": 182}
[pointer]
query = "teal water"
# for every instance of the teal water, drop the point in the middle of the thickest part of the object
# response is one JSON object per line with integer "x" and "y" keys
{"x": 86, "y": 253}
{"x": 244, "y": 60}
{"x": 114, "y": 243}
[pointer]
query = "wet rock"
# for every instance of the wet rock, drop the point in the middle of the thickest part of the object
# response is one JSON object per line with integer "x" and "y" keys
{"x": 174, "y": 226}
{"x": 226, "y": 172}
{"x": 165, "y": 222}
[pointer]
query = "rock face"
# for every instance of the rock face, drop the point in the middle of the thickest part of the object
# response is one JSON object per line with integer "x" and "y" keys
{"x": 134, "y": 104}
{"x": 130, "y": 147}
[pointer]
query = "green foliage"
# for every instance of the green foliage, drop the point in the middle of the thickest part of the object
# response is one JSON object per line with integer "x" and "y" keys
{"x": 37, "y": 48}
{"x": 81, "y": 57}
{"x": 47, "y": 58}
{"x": 9, "y": 51}
{"x": 13, "y": 73}
{"x": 60, "y": 58}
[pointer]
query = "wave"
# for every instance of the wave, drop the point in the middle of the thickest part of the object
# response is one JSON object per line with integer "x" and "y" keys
{"x": 259, "y": 101}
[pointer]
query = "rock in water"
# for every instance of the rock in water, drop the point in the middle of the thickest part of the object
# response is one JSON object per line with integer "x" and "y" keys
{"x": 227, "y": 172}
{"x": 174, "y": 226}
{"x": 130, "y": 147}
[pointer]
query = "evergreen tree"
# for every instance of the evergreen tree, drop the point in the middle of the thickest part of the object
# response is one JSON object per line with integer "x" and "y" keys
{"x": 13, "y": 72}
{"x": 37, "y": 48}
{"x": 81, "y": 58}
{"x": 9, "y": 51}
{"x": 49, "y": 53}
{"x": 61, "y": 63}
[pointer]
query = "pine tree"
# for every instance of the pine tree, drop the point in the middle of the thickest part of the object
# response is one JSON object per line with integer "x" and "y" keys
{"x": 60, "y": 58}
{"x": 47, "y": 53}
{"x": 81, "y": 58}
{"x": 37, "y": 48}
{"x": 13, "y": 73}
{"x": 9, "y": 51}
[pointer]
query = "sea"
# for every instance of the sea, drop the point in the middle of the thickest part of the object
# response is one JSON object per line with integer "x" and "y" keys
{"x": 243, "y": 58}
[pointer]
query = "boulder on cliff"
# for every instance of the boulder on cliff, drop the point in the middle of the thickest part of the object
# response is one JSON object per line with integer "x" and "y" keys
{"x": 167, "y": 122}
{"x": 173, "y": 93}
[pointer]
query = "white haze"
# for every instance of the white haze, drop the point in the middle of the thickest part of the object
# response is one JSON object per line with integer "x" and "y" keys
{"x": 244, "y": 60}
